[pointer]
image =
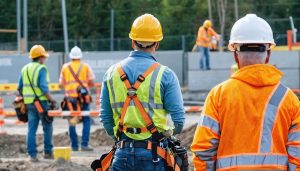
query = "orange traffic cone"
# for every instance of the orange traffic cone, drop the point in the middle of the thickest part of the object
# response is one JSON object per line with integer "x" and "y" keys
{"x": 2, "y": 131}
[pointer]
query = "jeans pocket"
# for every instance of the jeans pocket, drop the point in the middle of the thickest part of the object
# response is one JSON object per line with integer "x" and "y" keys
{"x": 119, "y": 164}
{"x": 146, "y": 164}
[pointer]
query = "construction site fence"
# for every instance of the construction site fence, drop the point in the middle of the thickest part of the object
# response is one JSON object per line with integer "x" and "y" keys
{"x": 185, "y": 65}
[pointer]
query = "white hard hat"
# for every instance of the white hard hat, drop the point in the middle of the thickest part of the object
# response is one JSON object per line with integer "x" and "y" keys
{"x": 75, "y": 53}
{"x": 250, "y": 29}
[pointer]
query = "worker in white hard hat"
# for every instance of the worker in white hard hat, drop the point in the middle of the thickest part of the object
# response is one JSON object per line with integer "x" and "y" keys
{"x": 76, "y": 78}
{"x": 251, "y": 121}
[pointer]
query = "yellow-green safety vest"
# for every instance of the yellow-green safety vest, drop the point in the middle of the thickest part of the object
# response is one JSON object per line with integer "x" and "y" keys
{"x": 148, "y": 94}
{"x": 33, "y": 72}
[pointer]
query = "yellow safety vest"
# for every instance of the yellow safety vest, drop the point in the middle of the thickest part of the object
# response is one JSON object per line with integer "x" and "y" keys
{"x": 33, "y": 69}
{"x": 148, "y": 94}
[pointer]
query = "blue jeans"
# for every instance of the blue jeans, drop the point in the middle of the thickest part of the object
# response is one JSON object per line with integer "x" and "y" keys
{"x": 33, "y": 122}
{"x": 86, "y": 121}
{"x": 135, "y": 159}
{"x": 204, "y": 57}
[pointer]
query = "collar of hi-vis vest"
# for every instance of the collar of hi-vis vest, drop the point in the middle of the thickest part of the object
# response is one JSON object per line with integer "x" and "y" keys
{"x": 141, "y": 54}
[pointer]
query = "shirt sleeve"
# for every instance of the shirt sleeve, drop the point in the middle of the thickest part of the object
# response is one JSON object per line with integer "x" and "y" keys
{"x": 172, "y": 99}
{"x": 20, "y": 83}
{"x": 62, "y": 80}
{"x": 213, "y": 32}
{"x": 42, "y": 81}
{"x": 106, "y": 116}
{"x": 91, "y": 75}
{"x": 206, "y": 138}
{"x": 293, "y": 143}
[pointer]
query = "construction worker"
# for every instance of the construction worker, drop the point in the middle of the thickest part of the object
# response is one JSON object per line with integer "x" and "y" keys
{"x": 204, "y": 40}
{"x": 33, "y": 87}
{"x": 76, "y": 78}
{"x": 136, "y": 96}
{"x": 251, "y": 121}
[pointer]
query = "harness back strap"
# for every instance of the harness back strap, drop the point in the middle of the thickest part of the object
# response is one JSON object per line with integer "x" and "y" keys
{"x": 140, "y": 79}
{"x": 75, "y": 76}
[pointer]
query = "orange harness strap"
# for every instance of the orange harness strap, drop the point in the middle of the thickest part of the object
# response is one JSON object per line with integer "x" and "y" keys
{"x": 134, "y": 97}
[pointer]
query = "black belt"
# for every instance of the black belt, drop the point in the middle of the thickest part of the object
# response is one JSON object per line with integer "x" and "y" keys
{"x": 133, "y": 144}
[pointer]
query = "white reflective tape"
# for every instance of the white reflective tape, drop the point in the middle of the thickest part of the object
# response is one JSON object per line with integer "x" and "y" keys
{"x": 72, "y": 113}
{"x": 12, "y": 122}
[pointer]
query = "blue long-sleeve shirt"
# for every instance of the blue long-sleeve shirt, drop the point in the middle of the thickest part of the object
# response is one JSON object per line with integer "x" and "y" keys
{"x": 134, "y": 65}
{"x": 42, "y": 82}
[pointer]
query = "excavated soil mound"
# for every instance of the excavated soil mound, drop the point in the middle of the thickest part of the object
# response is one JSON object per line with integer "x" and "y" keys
{"x": 58, "y": 165}
{"x": 12, "y": 146}
{"x": 186, "y": 136}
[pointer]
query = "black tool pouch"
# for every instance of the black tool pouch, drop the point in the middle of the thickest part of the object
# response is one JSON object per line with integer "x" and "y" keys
{"x": 181, "y": 158}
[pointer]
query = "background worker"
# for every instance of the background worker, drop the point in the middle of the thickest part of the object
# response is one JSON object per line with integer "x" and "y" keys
{"x": 206, "y": 35}
{"x": 251, "y": 121}
{"x": 33, "y": 86}
{"x": 76, "y": 78}
{"x": 158, "y": 92}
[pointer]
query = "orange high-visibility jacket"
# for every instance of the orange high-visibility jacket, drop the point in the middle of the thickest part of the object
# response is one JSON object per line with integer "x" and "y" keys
{"x": 204, "y": 36}
{"x": 84, "y": 73}
{"x": 249, "y": 122}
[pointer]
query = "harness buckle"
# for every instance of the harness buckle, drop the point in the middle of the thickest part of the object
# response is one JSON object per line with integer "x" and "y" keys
{"x": 131, "y": 92}
{"x": 141, "y": 78}
{"x": 123, "y": 77}
{"x": 155, "y": 161}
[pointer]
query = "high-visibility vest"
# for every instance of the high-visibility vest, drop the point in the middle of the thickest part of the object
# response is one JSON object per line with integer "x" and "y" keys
{"x": 33, "y": 73}
{"x": 204, "y": 36}
{"x": 70, "y": 84}
{"x": 148, "y": 94}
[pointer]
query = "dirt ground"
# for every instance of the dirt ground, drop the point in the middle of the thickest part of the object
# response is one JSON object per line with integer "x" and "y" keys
{"x": 13, "y": 155}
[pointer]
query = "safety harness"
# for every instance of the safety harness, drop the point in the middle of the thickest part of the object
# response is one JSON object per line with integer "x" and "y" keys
{"x": 153, "y": 145}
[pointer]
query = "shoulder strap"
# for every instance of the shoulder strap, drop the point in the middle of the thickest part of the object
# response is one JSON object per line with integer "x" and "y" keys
{"x": 75, "y": 76}
{"x": 132, "y": 96}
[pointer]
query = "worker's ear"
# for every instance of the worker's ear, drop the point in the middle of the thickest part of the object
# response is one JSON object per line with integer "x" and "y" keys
{"x": 236, "y": 59}
{"x": 156, "y": 45}
{"x": 268, "y": 56}
{"x": 132, "y": 44}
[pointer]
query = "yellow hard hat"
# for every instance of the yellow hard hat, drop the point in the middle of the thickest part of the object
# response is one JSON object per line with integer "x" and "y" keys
{"x": 146, "y": 28}
{"x": 37, "y": 51}
{"x": 207, "y": 23}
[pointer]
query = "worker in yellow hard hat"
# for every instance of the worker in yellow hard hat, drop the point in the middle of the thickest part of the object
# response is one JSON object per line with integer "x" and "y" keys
{"x": 206, "y": 35}
{"x": 33, "y": 87}
{"x": 137, "y": 94}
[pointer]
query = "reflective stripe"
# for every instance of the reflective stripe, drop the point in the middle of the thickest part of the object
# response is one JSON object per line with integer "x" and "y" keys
{"x": 28, "y": 95}
{"x": 292, "y": 167}
{"x": 28, "y": 85}
{"x": 33, "y": 75}
{"x": 145, "y": 105}
{"x": 152, "y": 91}
{"x": 270, "y": 115}
{"x": 79, "y": 70}
{"x": 208, "y": 122}
{"x": 294, "y": 136}
{"x": 207, "y": 155}
{"x": 113, "y": 94}
{"x": 294, "y": 151}
{"x": 252, "y": 160}
{"x": 74, "y": 81}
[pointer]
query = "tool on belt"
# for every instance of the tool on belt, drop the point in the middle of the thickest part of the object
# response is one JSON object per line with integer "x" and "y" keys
{"x": 175, "y": 160}
{"x": 83, "y": 93}
{"x": 20, "y": 109}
